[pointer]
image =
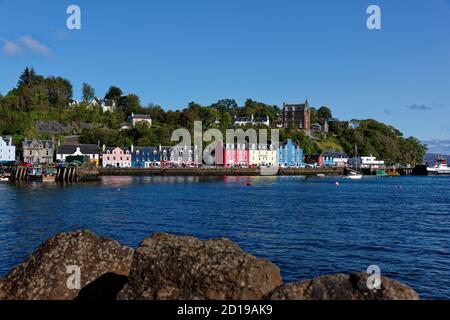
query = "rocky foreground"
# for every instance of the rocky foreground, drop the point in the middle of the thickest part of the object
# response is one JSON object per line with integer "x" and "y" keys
{"x": 172, "y": 267}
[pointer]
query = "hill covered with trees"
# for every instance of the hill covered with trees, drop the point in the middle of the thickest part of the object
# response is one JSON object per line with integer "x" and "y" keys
{"x": 39, "y": 102}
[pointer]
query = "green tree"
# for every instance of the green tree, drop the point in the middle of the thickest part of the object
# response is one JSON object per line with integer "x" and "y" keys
{"x": 324, "y": 114}
{"x": 88, "y": 92}
{"x": 26, "y": 77}
{"x": 114, "y": 93}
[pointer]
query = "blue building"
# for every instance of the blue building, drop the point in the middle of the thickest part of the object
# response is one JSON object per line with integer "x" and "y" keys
{"x": 335, "y": 159}
{"x": 145, "y": 157}
{"x": 290, "y": 154}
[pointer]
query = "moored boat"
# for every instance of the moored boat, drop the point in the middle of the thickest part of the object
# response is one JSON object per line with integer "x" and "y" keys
{"x": 440, "y": 168}
{"x": 381, "y": 173}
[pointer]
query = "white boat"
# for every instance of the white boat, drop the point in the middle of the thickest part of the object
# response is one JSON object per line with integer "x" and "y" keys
{"x": 4, "y": 179}
{"x": 440, "y": 168}
{"x": 354, "y": 174}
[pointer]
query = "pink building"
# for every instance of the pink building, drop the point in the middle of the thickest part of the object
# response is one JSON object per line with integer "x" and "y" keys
{"x": 234, "y": 155}
{"x": 116, "y": 157}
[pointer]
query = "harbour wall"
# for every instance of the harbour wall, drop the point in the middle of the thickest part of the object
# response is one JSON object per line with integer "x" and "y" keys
{"x": 217, "y": 172}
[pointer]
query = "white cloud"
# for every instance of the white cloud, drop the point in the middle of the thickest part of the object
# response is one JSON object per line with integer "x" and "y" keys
{"x": 35, "y": 46}
{"x": 12, "y": 49}
{"x": 25, "y": 44}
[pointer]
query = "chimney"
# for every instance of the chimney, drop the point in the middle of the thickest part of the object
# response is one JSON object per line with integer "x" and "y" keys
{"x": 104, "y": 148}
{"x": 132, "y": 148}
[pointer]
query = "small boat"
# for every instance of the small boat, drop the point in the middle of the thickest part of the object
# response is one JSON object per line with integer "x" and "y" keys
{"x": 39, "y": 174}
{"x": 441, "y": 168}
{"x": 321, "y": 175}
{"x": 393, "y": 173}
{"x": 354, "y": 174}
{"x": 4, "y": 179}
{"x": 381, "y": 173}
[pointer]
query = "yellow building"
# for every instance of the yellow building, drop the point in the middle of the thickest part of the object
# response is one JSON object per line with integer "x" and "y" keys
{"x": 262, "y": 155}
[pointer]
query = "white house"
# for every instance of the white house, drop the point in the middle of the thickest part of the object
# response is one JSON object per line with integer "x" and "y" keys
{"x": 106, "y": 105}
{"x": 7, "y": 150}
{"x": 243, "y": 121}
{"x": 92, "y": 151}
{"x": 134, "y": 119}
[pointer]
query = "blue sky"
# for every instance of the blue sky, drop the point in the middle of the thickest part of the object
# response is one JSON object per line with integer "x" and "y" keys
{"x": 171, "y": 52}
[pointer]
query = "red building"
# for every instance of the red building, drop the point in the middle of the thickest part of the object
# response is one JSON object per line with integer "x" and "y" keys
{"x": 315, "y": 160}
{"x": 234, "y": 155}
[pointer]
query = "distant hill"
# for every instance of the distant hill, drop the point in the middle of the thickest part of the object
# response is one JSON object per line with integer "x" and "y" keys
{"x": 431, "y": 158}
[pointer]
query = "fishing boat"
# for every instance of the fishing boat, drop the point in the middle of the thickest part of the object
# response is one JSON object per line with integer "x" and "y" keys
{"x": 393, "y": 173}
{"x": 39, "y": 174}
{"x": 440, "y": 168}
{"x": 354, "y": 174}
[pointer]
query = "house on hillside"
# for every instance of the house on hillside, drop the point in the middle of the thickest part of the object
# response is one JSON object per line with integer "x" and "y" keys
{"x": 297, "y": 116}
{"x": 107, "y": 105}
{"x": 244, "y": 121}
{"x": 134, "y": 119}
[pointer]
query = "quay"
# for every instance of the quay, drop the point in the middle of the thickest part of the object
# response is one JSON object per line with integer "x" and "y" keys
{"x": 219, "y": 172}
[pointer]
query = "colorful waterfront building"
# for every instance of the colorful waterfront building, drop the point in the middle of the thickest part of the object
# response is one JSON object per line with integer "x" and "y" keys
{"x": 179, "y": 156}
{"x": 145, "y": 157}
{"x": 290, "y": 154}
{"x": 233, "y": 154}
{"x": 116, "y": 157}
{"x": 262, "y": 154}
{"x": 335, "y": 159}
{"x": 315, "y": 160}
{"x": 90, "y": 151}
{"x": 7, "y": 150}
{"x": 38, "y": 151}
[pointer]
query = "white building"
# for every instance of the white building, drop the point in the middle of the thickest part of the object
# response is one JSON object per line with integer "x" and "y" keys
{"x": 92, "y": 151}
{"x": 7, "y": 150}
{"x": 134, "y": 119}
{"x": 243, "y": 121}
{"x": 371, "y": 162}
{"x": 105, "y": 105}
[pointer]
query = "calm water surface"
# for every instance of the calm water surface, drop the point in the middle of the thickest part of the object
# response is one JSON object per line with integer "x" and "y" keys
{"x": 308, "y": 227}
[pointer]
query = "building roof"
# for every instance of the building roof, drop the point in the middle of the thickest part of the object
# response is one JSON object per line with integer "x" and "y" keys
{"x": 7, "y": 139}
{"x": 141, "y": 116}
{"x": 47, "y": 144}
{"x": 84, "y": 149}
{"x": 297, "y": 106}
{"x": 335, "y": 154}
{"x": 108, "y": 103}
{"x": 146, "y": 149}
{"x": 110, "y": 149}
